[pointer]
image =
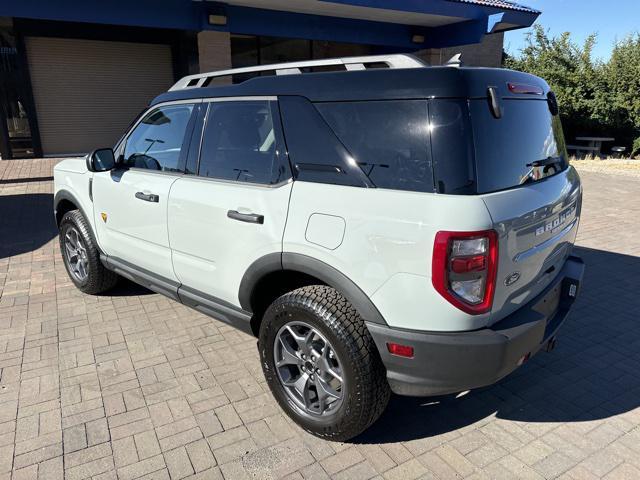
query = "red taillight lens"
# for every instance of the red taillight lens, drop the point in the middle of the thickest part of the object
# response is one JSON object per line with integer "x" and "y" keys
{"x": 400, "y": 350}
{"x": 469, "y": 264}
{"x": 464, "y": 269}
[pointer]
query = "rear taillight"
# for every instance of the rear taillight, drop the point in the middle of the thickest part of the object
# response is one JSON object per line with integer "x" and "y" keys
{"x": 464, "y": 269}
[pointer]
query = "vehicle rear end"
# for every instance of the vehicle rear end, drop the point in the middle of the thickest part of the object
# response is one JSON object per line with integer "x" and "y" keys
{"x": 523, "y": 175}
{"x": 520, "y": 273}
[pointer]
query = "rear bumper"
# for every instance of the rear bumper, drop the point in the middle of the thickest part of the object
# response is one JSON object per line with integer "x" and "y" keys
{"x": 453, "y": 362}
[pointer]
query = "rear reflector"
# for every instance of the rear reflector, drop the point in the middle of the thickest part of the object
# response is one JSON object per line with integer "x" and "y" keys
{"x": 400, "y": 350}
{"x": 524, "y": 359}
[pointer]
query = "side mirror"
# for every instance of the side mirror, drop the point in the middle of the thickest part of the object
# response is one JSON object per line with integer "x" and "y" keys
{"x": 101, "y": 160}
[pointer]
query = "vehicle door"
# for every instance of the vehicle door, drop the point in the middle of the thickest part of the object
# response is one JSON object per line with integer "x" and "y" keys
{"x": 130, "y": 202}
{"x": 233, "y": 208}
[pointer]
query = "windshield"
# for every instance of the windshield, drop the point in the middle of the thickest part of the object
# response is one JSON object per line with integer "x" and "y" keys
{"x": 525, "y": 145}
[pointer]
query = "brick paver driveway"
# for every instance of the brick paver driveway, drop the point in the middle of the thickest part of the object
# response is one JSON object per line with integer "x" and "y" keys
{"x": 131, "y": 384}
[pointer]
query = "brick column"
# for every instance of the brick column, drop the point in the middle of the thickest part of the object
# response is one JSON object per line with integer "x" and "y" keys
{"x": 488, "y": 53}
{"x": 214, "y": 52}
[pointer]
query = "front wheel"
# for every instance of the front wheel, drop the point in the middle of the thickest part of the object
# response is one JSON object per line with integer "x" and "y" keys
{"x": 82, "y": 257}
{"x": 322, "y": 364}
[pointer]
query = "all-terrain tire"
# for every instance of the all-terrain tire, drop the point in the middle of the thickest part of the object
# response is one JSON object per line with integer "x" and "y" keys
{"x": 367, "y": 390}
{"x": 98, "y": 278}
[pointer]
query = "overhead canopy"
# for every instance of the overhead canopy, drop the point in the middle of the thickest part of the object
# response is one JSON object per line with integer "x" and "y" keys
{"x": 395, "y": 23}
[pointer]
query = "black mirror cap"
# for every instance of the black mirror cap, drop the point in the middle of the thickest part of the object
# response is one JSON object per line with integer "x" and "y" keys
{"x": 101, "y": 160}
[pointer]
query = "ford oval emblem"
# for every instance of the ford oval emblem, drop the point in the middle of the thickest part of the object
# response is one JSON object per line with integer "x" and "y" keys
{"x": 511, "y": 279}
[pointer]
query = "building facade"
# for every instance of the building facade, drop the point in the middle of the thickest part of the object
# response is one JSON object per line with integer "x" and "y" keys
{"x": 74, "y": 73}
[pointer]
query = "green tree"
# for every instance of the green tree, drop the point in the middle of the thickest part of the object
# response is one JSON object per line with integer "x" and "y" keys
{"x": 571, "y": 72}
{"x": 622, "y": 78}
{"x": 595, "y": 97}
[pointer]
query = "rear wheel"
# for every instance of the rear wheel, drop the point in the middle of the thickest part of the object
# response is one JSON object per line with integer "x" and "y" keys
{"x": 322, "y": 364}
{"x": 82, "y": 257}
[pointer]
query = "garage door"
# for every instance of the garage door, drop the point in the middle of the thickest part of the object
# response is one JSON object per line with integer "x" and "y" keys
{"x": 87, "y": 91}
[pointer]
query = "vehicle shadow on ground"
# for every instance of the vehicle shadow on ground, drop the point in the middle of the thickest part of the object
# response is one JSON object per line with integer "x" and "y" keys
{"x": 126, "y": 288}
{"x": 594, "y": 372}
{"x": 26, "y": 223}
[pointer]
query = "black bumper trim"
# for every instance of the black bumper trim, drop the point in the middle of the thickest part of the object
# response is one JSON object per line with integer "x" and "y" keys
{"x": 449, "y": 362}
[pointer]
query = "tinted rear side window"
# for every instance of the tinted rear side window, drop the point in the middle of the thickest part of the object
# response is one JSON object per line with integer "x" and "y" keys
{"x": 506, "y": 147}
{"x": 389, "y": 140}
{"x": 452, "y": 146}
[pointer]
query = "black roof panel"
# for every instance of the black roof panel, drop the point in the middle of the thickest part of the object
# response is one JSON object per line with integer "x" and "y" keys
{"x": 374, "y": 84}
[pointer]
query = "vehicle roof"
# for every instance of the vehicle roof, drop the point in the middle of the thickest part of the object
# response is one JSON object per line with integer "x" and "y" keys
{"x": 372, "y": 84}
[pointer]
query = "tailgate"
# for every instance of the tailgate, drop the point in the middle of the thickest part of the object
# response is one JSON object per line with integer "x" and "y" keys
{"x": 537, "y": 225}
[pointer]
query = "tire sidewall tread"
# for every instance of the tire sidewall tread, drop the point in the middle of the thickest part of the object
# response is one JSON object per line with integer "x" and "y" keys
{"x": 99, "y": 278}
{"x": 367, "y": 391}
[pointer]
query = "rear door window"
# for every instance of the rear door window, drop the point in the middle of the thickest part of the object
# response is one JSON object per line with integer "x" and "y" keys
{"x": 242, "y": 142}
{"x": 506, "y": 148}
{"x": 389, "y": 140}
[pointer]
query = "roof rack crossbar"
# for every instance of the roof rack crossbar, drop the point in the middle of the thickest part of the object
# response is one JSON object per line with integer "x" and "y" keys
{"x": 350, "y": 63}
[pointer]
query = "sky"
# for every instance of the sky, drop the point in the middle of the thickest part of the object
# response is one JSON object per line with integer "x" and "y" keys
{"x": 610, "y": 19}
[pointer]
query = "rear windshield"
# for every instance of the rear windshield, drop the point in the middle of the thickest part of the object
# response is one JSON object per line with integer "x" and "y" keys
{"x": 452, "y": 146}
{"x": 524, "y": 146}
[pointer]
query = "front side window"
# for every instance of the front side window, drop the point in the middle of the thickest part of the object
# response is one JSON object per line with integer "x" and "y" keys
{"x": 240, "y": 143}
{"x": 156, "y": 142}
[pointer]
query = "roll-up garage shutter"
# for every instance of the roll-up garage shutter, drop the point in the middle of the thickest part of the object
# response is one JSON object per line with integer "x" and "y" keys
{"x": 86, "y": 92}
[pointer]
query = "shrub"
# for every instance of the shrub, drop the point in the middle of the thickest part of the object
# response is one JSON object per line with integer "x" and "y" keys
{"x": 596, "y": 98}
{"x": 635, "y": 151}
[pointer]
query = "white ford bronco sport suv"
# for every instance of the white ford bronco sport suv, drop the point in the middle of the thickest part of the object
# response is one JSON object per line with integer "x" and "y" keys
{"x": 404, "y": 229}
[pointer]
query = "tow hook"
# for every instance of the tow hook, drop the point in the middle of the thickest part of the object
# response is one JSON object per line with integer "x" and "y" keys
{"x": 551, "y": 344}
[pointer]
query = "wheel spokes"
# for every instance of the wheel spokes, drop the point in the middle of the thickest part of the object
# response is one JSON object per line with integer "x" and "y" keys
{"x": 76, "y": 254}
{"x": 288, "y": 355}
{"x": 328, "y": 367}
{"x": 82, "y": 268}
{"x": 299, "y": 384}
{"x": 69, "y": 239}
{"x": 308, "y": 368}
{"x": 70, "y": 251}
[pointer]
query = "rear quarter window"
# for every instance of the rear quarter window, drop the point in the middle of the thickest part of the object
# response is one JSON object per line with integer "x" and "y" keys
{"x": 389, "y": 140}
{"x": 452, "y": 146}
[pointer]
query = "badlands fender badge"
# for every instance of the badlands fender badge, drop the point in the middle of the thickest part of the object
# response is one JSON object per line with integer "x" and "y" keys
{"x": 104, "y": 217}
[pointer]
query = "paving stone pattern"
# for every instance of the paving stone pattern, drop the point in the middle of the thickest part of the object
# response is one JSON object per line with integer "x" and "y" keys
{"x": 133, "y": 385}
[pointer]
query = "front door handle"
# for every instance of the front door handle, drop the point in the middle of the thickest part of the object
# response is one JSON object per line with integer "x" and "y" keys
{"x": 147, "y": 197}
{"x": 246, "y": 217}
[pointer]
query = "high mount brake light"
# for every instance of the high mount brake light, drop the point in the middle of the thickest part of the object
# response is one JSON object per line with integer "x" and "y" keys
{"x": 524, "y": 89}
{"x": 464, "y": 269}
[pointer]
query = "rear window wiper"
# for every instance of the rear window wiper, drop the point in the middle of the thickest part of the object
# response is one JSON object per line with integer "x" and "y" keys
{"x": 549, "y": 163}
{"x": 545, "y": 161}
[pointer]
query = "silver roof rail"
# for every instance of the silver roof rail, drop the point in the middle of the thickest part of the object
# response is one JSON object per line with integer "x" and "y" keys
{"x": 350, "y": 63}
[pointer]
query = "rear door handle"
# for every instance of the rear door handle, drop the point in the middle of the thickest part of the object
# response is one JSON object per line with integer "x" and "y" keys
{"x": 147, "y": 197}
{"x": 246, "y": 217}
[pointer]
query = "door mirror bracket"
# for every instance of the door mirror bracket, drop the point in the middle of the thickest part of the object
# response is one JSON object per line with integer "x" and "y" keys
{"x": 101, "y": 160}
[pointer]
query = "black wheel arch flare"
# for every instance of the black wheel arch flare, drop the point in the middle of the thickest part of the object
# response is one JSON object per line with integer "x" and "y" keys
{"x": 300, "y": 263}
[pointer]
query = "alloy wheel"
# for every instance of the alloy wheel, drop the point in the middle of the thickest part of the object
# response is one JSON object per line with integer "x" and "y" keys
{"x": 309, "y": 369}
{"x": 76, "y": 254}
